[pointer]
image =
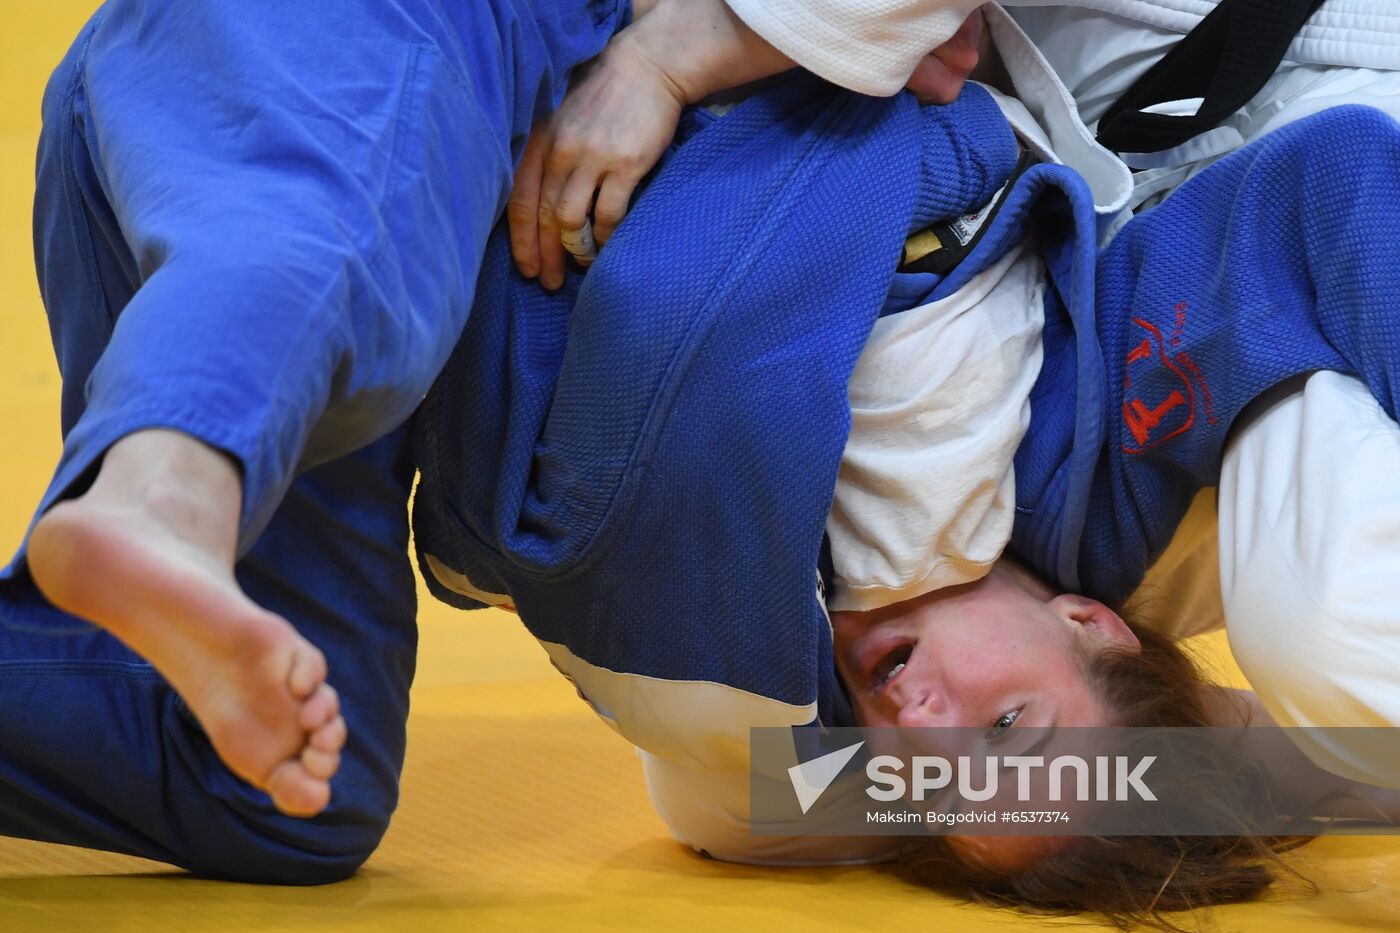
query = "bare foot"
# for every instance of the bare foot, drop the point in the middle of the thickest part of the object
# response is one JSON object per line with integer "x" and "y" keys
{"x": 147, "y": 554}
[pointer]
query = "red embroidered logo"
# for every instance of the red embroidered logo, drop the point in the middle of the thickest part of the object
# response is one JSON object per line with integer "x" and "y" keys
{"x": 1172, "y": 415}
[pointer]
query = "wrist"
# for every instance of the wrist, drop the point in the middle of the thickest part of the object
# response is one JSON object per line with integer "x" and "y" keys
{"x": 698, "y": 47}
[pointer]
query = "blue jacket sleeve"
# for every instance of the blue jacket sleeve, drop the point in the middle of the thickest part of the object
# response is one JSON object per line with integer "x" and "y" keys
{"x": 304, "y": 191}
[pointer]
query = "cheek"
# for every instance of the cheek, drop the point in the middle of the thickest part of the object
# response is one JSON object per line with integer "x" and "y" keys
{"x": 870, "y": 711}
{"x": 981, "y": 680}
{"x": 1016, "y": 662}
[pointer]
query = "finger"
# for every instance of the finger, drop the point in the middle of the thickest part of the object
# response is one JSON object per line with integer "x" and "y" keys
{"x": 559, "y": 168}
{"x": 940, "y": 76}
{"x": 960, "y": 53}
{"x": 614, "y": 198}
{"x": 576, "y": 200}
{"x": 551, "y": 249}
{"x": 934, "y": 82}
{"x": 522, "y": 211}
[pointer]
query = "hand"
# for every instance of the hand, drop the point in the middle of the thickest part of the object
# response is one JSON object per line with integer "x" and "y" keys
{"x": 617, "y": 120}
{"x": 611, "y": 129}
{"x": 940, "y": 76}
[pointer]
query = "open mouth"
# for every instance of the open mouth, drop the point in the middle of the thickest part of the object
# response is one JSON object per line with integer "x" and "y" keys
{"x": 888, "y": 664}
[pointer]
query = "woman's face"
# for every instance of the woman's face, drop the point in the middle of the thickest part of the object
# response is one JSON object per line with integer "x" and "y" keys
{"x": 996, "y": 654}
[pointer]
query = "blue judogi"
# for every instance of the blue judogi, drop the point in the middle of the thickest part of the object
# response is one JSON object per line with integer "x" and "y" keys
{"x": 1282, "y": 259}
{"x": 643, "y": 463}
{"x": 665, "y": 437}
{"x": 261, "y": 223}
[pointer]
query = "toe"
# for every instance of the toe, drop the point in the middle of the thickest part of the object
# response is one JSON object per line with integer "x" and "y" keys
{"x": 320, "y": 707}
{"x": 330, "y": 737}
{"x": 296, "y": 792}
{"x": 320, "y": 764}
{"x": 308, "y": 671}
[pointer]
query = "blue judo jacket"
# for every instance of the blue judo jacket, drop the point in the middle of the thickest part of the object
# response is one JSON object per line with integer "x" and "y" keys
{"x": 1282, "y": 259}
{"x": 642, "y": 463}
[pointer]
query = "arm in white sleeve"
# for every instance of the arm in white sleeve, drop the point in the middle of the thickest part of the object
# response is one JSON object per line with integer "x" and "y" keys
{"x": 1309, "y": 526}
{"x": 707, "y": 809}
{"x": 870, "y": 46}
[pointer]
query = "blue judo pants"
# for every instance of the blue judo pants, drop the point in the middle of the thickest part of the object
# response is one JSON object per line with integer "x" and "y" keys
{"x": 261, "y": 224}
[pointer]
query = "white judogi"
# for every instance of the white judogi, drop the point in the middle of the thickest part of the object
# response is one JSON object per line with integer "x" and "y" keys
{"x": 1347, "y": 53}
{"x": 872, "y": 46}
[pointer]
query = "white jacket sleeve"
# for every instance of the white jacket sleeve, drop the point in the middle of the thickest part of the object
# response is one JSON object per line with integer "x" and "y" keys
{"x": 870, "y": 46}
{"x": 1309, "y": 520}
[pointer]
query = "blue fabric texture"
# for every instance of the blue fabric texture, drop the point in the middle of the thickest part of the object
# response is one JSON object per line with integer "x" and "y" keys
{"x": 1282, "y": 259}
{"x": 286, "y": 207}
{"x": 242, "y": 236}
{"x": 644, "y": 461}
{"x": 261, "y": 223}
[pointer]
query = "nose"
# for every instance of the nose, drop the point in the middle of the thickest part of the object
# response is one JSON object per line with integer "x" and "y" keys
{"x": 919, "y": 706}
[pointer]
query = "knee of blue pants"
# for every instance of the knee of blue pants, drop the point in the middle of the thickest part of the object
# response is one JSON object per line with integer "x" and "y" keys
{"x": 291, "y": 851}
{"x": 363, "y": 621}
{"x": 308, "y": 854}
{"x": 96, "y": 750}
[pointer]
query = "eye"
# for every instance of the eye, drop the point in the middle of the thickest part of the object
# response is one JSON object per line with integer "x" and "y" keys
{"x": 1005, "y": 721}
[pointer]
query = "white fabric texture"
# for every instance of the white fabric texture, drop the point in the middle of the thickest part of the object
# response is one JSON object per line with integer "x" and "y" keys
{"x": 870, "y": 46}
{"x": 939, "y": 403}
{"x": 925, "y": 496}
{"x": 1309, "y": 525}
{"x": 1344, "y": 33}
{"x": 1349, "y": 52}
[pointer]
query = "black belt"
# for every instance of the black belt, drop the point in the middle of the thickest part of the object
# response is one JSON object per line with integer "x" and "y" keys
{"x": 1225, "y": 60}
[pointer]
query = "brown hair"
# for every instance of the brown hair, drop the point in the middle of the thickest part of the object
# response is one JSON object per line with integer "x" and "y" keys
{"x": 1129, "y": 880}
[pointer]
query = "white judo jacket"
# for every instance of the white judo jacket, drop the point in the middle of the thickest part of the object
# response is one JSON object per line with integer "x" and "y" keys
{"x": 872, "y": 46}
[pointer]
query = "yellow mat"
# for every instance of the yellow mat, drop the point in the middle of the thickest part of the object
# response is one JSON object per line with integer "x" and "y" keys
{"x": 520, "y": 810}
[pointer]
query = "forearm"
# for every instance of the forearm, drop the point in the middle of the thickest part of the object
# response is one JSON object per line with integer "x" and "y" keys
{"x": 701, "y": 46}
{"x": 1297, "y": 785}
{"x": 869, "y": 46}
